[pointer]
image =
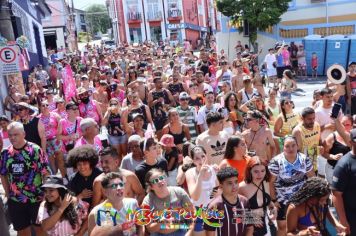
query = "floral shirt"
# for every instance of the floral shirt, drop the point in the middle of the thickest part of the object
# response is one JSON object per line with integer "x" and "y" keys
{"x": 24, "y": 169}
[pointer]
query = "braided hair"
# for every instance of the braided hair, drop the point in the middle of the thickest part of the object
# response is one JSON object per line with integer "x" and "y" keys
{"x": 313, "y": 187}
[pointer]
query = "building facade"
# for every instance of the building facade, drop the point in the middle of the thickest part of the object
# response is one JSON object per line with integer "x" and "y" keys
{"x": 59, "y": 27}
{"x": 303, "y": 18}
{"x": 155, "y": 20}
{"x": 80, "y": 21}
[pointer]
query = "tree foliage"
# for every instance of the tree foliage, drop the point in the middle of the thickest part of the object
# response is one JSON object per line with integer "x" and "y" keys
{"x": 260, "y": 14}
{"x": 98, "y": 18}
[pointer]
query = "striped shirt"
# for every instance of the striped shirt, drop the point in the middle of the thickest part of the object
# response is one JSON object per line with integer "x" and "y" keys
{"x": 189, "y": 117}
{"x": 232, "y": 222}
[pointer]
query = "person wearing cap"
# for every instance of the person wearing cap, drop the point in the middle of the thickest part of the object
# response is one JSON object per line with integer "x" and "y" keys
{"x": 89, "y": 108}
{"x": 224, "y": 74}
{"x": 60, "y": 213}
{"x": 113, "y": 186}
{"x": 344, "y": 187}
{"x": 259, "y": 138}
{"x": 188, "y": 114}
{"x": 136, "y": 128}
{"x": 171, "y": 154}
{"x": 246, "y": 94}
{"x": 34, "y": 128}
{"x": 351, "y": 87}
{"x": 85, "y": 83}
{"x": 110, "y": 162}
{"x": 209, "y": 106}
{"x": 23, "y": 166}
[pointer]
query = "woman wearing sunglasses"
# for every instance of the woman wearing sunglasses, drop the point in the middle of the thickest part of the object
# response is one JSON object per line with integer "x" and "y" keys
{"x": 161, "y": 197}
{"x": 68, "y": 128}
{"x": 112, "y": 120}
{"x": 286, "y": 121}
{"x": 50, "y": 121}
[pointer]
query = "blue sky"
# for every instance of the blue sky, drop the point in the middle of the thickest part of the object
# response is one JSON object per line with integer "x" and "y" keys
{"x": 82, "y": 4}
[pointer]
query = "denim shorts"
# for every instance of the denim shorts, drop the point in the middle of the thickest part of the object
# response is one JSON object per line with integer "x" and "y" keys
{"x": 116, "y": 140}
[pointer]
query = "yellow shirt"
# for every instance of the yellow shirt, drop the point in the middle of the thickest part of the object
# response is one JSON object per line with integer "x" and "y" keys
{"x": 310, "y": 142}
{"x": 288, "y": 126}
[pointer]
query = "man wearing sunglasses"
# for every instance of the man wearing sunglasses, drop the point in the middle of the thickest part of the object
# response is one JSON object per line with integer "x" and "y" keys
{"x": 113, "y": 185}
{"x": 134, "y": 157}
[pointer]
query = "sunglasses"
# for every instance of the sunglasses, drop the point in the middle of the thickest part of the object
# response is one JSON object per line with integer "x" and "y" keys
{"x": 184, "y": 99}
{"x": 73, "y": 108}
{"x": 288, "y": 102}
{"x": 84, "y": 95}
{"x": 158, "y": 179}
{"x": 44, "y": 105}
{"x": 113, "y": 104}
{"x": 114, "y": 186}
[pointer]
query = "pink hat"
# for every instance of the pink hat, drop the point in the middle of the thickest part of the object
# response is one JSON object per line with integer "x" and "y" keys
{"x": 167, "y": 140}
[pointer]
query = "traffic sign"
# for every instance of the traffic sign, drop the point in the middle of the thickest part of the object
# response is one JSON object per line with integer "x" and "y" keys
{"x": 9, "y": 59}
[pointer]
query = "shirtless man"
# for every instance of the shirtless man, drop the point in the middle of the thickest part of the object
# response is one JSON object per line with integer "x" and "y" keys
{"x": 237, "y": 77}
{"x": 109, "y": 160}
{"x": 140, "y": 85}
{"x": 339, "y": 93}
{"x": 101, "y": 96}
{"x": 258, "y": 138}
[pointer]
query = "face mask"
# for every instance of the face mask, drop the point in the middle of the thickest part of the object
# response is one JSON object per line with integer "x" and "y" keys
{"x": 85, "y": 100}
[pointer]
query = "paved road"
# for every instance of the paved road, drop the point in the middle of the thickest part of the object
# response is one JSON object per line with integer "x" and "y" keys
{"x": 300, "y": 102}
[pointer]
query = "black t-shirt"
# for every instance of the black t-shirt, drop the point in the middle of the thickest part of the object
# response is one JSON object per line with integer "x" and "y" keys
{"x": 173, "y": 154}
{"x": 344, "y": 180}
{"x": 78, "y": 183}
{"x": 142, "y": 169}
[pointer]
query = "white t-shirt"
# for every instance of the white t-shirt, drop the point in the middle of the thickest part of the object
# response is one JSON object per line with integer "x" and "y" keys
{"x": 322, "y": 116}
{"x": 269, "y": 60}
{"x": 203, "y": 111}
{"x": 214, "y": 146}
{"x": 226, "y": 77}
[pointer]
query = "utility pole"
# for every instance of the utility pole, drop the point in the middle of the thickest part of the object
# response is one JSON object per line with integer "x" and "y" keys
{"x": 73, "y": 26}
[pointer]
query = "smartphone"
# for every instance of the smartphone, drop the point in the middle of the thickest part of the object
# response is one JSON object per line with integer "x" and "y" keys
{"x": 335, "y": 111}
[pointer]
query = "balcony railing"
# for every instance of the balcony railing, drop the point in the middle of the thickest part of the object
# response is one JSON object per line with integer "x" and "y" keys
{"x": 134, "y": 16}
{"x": 154, "y": 16}
{"x": 174, "y": 14}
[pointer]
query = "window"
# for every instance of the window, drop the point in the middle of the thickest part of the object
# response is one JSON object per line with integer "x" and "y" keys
{"x": 82, "y": 18}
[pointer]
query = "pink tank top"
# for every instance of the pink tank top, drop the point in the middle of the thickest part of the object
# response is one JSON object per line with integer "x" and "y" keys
{"x": 120, "y": 96}
{"x": 50, "y": 124}
{"x": 63, "y": 114}
{"x": 89, "y": 111}
{"x": 97, "y": 143}
{"x": 68, "y": 128}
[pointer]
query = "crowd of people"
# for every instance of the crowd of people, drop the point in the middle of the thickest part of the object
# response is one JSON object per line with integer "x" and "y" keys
{"x": 157, "y": 140}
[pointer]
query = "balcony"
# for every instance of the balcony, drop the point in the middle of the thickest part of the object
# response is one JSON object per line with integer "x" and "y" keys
{"x": 134, "y": 17}
{"x": 154, "y": 16}
{"x": 174, "y": 14}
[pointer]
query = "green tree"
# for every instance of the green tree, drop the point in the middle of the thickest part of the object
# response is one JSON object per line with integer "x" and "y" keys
{"x": 260, "y": 14}
{"x": 98, "y": 17}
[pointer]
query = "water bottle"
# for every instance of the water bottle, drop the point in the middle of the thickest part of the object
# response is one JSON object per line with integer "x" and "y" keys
{"x": 106, "y": 215}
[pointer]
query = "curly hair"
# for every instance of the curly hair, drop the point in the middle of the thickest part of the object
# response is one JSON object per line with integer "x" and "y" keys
{"x": 85, "y": 153}
{"x": 69, "y": 213}
{"x": 313, "y": 187}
